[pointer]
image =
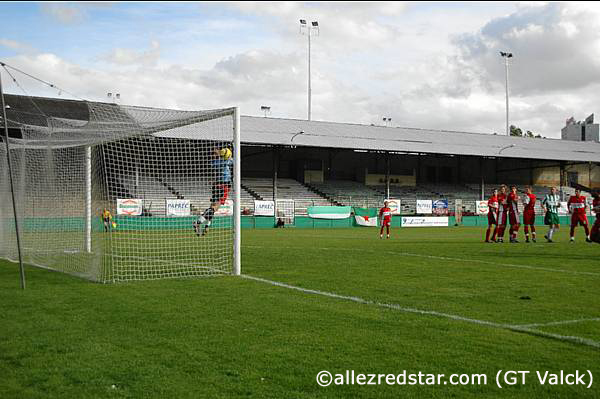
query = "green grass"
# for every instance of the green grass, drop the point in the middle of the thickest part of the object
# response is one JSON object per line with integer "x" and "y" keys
{"x": 234, "y": 337}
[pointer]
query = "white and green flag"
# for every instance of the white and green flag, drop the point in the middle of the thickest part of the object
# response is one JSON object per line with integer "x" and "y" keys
{"x": 366, "y": 217}
{"x": 329, "y": 212}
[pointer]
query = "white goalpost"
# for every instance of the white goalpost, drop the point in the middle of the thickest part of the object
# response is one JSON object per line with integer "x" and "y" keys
{"x": 119, "y": 193}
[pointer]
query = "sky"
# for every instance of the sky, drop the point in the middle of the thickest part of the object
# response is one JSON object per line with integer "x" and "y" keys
{"x": 425, "y": 65}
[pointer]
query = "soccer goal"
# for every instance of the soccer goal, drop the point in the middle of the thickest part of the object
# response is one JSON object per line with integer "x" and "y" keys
{"x": 118, "y": 193}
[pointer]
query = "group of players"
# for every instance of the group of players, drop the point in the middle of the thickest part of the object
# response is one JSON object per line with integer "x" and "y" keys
{"x": 503, "y": 208}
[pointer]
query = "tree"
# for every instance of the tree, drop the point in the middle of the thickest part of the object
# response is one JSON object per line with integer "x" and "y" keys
{"x": 515, "y": 131}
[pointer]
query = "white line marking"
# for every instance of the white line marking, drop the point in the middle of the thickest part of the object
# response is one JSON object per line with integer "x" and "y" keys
{"x": 522, "y": 329}
{"x": 557, "y": 323}
{"x": 547, "y": 269}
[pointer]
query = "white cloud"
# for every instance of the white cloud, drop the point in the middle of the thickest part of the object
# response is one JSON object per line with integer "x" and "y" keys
{"x": 548, "y": 56}
{"x": 436, "y": 67}
{"x": 124, "y": 56}
{"x": 17, "y": 46}
{"x": 63, "y": 12}
{"x": 344, "y": 26}
{"x": 249, "y": 80}
{"x": 73, "y": 12}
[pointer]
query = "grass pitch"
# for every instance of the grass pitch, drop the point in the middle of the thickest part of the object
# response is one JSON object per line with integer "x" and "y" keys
{"x": 237, "y": 337}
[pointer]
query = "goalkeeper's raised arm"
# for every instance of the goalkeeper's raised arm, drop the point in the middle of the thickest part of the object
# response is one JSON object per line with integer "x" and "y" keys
{"x": 222, "y": 167}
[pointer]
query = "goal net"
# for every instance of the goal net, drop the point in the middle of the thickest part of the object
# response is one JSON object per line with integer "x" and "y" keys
{"x": 117, "y": 193}
{"x": 285, "y": 211}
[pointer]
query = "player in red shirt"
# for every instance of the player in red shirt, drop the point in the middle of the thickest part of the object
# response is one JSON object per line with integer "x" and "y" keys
{"x": 577, "y": 207}
{"x": 492, "y": 216}
{"x": 385, "y": 215}
{"x": 502, "y": 214}
{"x": 529, "y": 214}
{"x": 513, "y": 213}
{"x": 595, "y": 233}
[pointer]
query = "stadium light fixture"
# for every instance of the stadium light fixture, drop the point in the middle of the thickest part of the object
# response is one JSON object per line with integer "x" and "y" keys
{"x": 265, "y": 109}
{"x": 506, "y": 56}
{"x": 113, "y": 97}
{"x": 297, "y": 134}
{"x": 312, "y": 30}
{"x": 506, "y": 148}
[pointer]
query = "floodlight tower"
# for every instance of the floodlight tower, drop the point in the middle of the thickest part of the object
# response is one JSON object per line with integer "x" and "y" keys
{"x": 506, "y": 56}
{"x": 312, "y": 30}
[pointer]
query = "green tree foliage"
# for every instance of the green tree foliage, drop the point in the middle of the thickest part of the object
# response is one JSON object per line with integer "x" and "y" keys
{"x": 516, "y": 131}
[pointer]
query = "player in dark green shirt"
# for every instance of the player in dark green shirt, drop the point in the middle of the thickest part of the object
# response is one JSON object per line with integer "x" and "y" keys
{"x": 550, "y": 204}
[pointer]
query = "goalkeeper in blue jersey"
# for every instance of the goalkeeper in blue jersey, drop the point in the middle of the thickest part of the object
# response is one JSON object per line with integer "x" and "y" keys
{"x": 222, "y": 167}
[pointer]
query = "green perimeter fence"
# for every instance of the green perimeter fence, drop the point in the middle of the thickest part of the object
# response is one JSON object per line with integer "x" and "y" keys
{"x": 137, "y": 223}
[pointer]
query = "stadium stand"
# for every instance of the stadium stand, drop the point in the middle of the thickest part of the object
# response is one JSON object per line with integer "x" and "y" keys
{"x": 452, "y": 191}
{"x": 331, "y": 150}
{"x": 155, "y": 189}
{"x": 287, "y": 189}
{"x": 151, "y": 190}
{"x": 346, "y": 192}
{"x": 351, "y": 193}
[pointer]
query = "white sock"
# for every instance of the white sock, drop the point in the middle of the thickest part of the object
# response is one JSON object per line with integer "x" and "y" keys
{"x": 550, "y": 232}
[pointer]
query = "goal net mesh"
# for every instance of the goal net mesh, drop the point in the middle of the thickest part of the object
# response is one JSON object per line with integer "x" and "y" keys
{"x": 73, "y": 162}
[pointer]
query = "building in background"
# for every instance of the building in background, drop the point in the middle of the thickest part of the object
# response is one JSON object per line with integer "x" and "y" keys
{"x": 581, "y": 131}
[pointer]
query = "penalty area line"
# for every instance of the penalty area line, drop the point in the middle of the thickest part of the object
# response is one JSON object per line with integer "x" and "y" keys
{"x": 516, "y": 328}
{"x": 557, "y": 323}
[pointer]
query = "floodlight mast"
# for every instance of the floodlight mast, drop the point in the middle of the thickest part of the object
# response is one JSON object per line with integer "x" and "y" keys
{"x": 506, "y": 56}
{"x": 12, "y": 185}
{"x": 309, "y": 31}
